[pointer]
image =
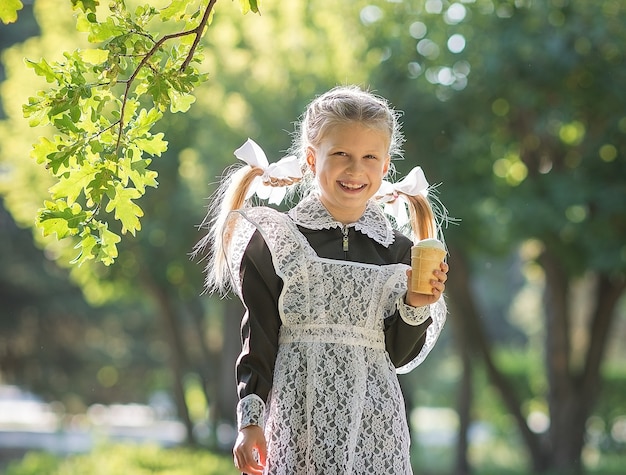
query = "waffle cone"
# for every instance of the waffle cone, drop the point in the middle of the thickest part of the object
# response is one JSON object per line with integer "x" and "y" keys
{"x": 424, "y": 260}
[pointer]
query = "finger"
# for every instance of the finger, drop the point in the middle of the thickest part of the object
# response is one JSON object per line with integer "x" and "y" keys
{"x": 438, "y": 287}
{"x": 248, "y": 462}
{"x": 250, "y": 467}
{"x": 262, "y": 452}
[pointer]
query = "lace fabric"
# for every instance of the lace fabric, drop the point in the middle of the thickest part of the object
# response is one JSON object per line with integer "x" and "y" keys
{"x": 335, "y": 405}
{"x": 416, "y": 315}
{"x": 250, "y": 411}
{"x": 312, "y": 214}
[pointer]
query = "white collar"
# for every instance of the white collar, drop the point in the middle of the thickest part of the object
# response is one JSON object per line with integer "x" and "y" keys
{"x": 311, "y": 214}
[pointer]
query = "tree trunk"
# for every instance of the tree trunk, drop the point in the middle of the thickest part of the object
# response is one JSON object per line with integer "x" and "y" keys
{"x": 464, "y": 404}
{"x": 205, "y": 369}
{"x": 573, "y": 394}
{"x": 465, "y": 392}
{"x": 479, "y": 346}
{"x": 177, "y": 360}
{"x": 227, "y": 389}
{"x": 563, "y": 406}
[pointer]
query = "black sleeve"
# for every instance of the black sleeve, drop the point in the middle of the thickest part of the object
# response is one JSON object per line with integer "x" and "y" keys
{"x": 404, "y": 341}
{"x": 261, "y": 288}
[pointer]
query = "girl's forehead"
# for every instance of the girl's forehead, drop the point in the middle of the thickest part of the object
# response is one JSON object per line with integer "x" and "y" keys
{"x": 356, "y": 136}
{"x": 342, "y": 131}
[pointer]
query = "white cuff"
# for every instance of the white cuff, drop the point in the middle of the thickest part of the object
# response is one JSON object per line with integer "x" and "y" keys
{"x": 250, "y": 411}
{"x": 413, "y": 316}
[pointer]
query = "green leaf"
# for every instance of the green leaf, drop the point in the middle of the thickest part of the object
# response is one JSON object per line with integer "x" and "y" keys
{"x": 152, "y": 144}
{"x": 42, "y": 149}
{"x": 141, "y": 176}
{"x": 159, "y": 89}
{"x": 108, "y": 246}
{"x": 94, "y": 56}
{"x": 73, "y": 183}
{"x": 175, "y": 10}
{"x": 60, "y": 219}
{"x": 8, "y": 10}
{"x": 180, "y": 102}
{"x": 85, "y": 5}
{"x": 127, "y": 212}
{"x": 97, "y": 187}
{"x": 42, "y": 68}
{"x": 100, "y": 32}
{"x": 144, "y": 122}
{"x": 61, "y": 159}
{"x": 87, "y": 245}
{"x": 250, "y": 5}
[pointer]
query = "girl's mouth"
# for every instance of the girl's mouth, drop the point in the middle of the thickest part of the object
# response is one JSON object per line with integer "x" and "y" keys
{"x": 351, "y": 186}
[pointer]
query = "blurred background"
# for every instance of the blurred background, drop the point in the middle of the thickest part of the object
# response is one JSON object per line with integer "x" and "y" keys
{"x": 516, "y": 108}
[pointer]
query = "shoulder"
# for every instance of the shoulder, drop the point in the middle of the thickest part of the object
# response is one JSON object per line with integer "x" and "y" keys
{"x": 401, "y": 247}
{"x": 401, "y": 239}
{"x": 253, "y": 212}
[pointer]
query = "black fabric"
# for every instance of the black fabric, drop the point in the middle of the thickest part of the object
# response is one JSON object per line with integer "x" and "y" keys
{"x": 261, "y": 288}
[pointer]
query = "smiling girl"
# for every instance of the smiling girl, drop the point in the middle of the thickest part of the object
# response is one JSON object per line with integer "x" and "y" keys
{"x": 329, "y": 318}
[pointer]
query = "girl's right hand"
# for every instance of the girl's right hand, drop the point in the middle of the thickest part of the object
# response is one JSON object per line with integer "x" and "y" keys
{"x": 250, "y": 443}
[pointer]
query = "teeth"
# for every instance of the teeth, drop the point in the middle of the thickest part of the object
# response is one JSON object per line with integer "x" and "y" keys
{"x": 350, "y": 186}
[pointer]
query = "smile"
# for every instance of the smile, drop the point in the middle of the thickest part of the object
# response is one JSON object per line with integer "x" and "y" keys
{"x": 351, "y": 186}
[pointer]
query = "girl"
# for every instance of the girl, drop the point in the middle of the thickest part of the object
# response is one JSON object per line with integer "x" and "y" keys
{"x": 328, "y": 315}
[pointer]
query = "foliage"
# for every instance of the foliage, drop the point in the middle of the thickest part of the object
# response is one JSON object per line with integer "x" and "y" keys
{"x": 9, "y": 9}
{"x": 459, "y": 120}
{"x": 104, "y": 102}
{"x": 518, "y": 108}
{"x": 534, "y": 121}
{"x": 128, "y": 459}
{"x": 153, "y": 273}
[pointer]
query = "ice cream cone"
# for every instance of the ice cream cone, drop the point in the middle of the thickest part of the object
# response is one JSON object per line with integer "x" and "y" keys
{"x": 426, "y": 257}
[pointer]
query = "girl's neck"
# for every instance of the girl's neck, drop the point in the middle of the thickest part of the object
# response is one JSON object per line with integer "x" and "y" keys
{"x": 345, "y": 215}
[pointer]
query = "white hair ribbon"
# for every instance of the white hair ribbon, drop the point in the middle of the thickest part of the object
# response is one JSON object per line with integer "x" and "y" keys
{"x": 391, "y": 194}
{"x": 265, "y": 186}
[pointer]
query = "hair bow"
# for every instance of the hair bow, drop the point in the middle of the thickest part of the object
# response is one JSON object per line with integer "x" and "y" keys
{"x": 389, "y": 193}
{"x": 271, "y": 185}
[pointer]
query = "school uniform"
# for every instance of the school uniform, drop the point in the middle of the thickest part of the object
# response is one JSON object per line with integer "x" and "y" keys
{"x": 324, "y": 333}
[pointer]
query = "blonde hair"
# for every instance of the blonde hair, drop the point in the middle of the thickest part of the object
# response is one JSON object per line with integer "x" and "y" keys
{"x": 230, "y": 195}
{"x": 340, "y": 105}
{"x": 346, "y": 104}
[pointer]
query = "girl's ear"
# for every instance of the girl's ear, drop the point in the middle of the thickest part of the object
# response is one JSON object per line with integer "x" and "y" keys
{"x": 386, "y": 165}
{"x": 310, "y": 158}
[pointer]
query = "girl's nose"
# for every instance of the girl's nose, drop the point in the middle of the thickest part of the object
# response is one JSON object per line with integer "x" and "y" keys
{"x": 354, "y": 166}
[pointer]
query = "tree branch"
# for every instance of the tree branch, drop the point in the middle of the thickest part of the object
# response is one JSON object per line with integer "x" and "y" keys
{"x": 197, "y": 31}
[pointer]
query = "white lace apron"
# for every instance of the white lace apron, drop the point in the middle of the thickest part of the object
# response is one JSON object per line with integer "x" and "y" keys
{"x": 335, "y": 405}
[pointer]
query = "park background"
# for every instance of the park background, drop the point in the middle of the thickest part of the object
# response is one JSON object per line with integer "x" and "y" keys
{"x": 517, "y": 109}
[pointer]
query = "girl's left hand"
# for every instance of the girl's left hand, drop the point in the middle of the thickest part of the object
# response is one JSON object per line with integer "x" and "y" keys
{"x": 439, "y": 285}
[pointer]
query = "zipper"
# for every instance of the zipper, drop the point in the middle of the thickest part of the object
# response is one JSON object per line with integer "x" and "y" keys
{"x": 344, "y": 241}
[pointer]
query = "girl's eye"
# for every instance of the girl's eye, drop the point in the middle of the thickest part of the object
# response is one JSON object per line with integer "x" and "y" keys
{"x": 371, "y": 157}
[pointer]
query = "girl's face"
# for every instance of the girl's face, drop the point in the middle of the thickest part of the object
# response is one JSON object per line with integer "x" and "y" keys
{"x": 349, "y": 165}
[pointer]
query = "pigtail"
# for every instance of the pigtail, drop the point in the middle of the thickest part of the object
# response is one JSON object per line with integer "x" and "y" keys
{"x": 231, "y": 195}
{"x": 257, "y": 177}
{"x": 422, "y": 217}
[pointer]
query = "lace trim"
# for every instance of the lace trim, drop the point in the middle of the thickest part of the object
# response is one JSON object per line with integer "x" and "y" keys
{"x": 337, "y": 334}
{"x": 414, "y": 316}
{"x": 438, "y": 312}
{"x": 250, "y": 411}
{"x": 312, "y": 214}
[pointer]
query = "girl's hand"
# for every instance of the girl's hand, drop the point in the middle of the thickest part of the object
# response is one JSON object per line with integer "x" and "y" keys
{"x": 250, "y": 443}
{"x": 438, "y": 282}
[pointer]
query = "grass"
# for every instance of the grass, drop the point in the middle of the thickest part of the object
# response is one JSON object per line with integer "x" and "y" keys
{"x": 130, "y": 459}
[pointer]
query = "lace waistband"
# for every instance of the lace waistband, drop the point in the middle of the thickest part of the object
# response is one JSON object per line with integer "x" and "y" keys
{"x": 343, "y": 334}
